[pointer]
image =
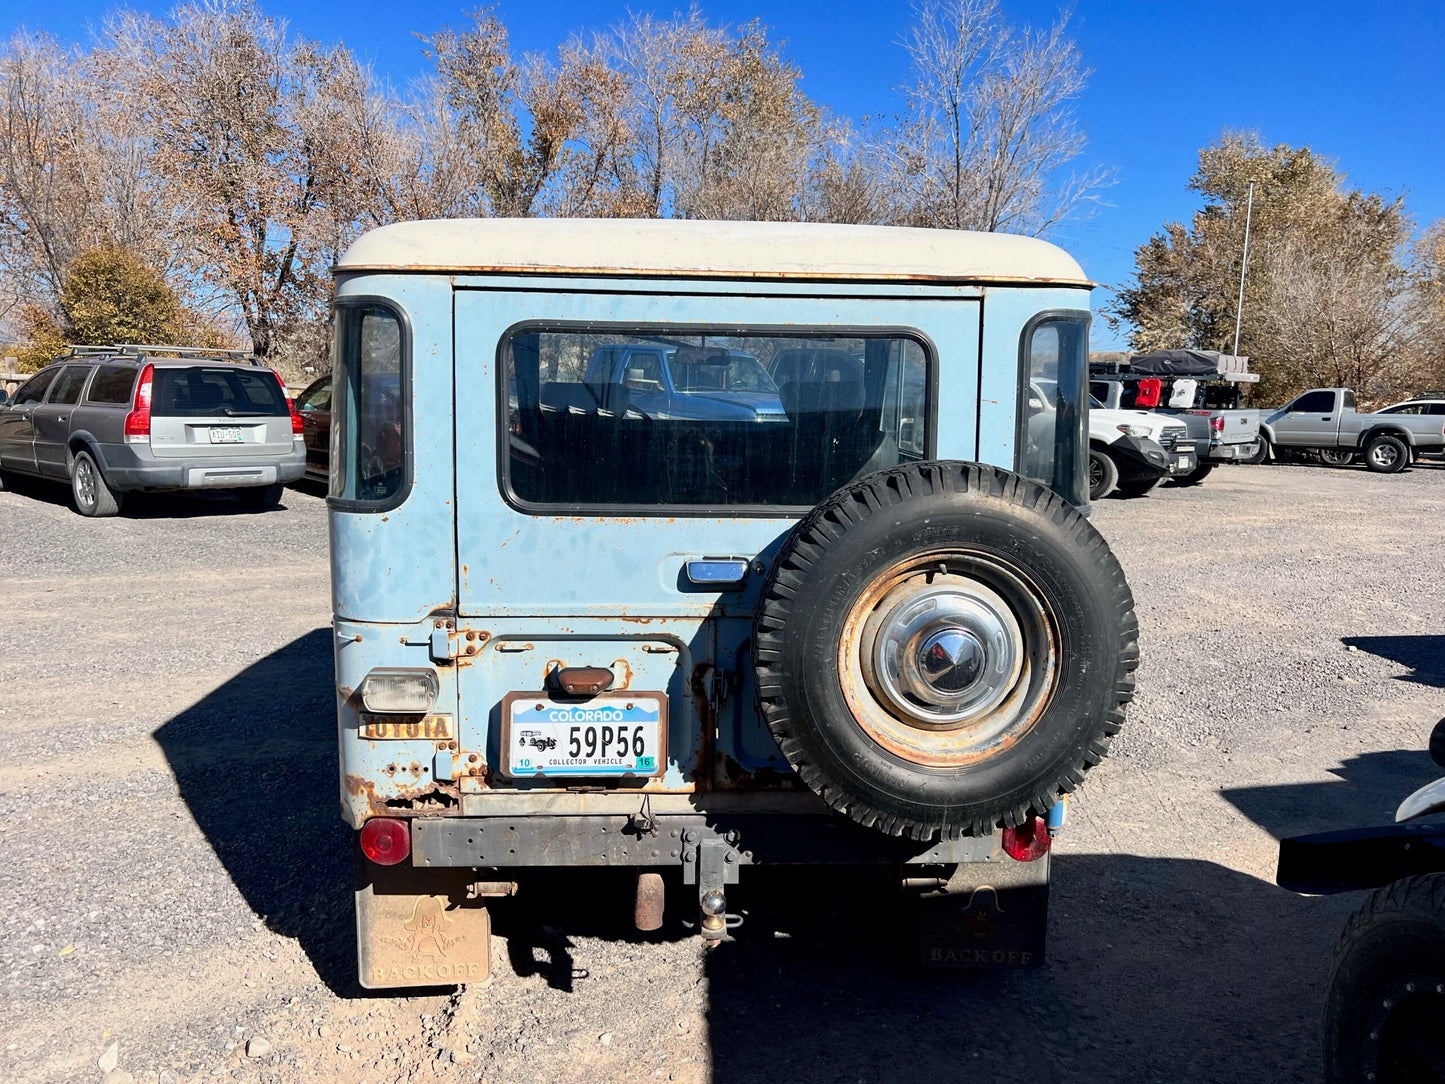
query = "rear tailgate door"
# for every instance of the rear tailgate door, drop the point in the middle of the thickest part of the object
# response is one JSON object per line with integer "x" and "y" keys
{"x": 223, "y": 411}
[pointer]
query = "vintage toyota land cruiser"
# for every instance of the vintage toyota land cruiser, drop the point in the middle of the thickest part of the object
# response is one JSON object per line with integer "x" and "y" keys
{"x": 573, "y": 633}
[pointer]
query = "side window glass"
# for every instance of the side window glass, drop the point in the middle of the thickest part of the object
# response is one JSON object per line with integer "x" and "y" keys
{"x": 68, "y": 385}
{"x": 318, "y": 398}
{"x": 1050, "y": 440}
{"x": 112, "y": 385}
{"x": 1437, "y": 408}
{"x": 1349, "y": 400}
{"x": 369, "y": 436}
{"x": 1315, "y": 402}
{"x": 34, "y": 389}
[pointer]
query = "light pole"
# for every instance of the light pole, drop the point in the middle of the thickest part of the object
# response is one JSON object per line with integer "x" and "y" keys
{"x": 1243, "y": 266}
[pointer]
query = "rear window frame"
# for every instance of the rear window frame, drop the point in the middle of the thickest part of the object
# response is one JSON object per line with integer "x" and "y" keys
{"x": 641, "y": 327}
{"x": 404, "y": 393}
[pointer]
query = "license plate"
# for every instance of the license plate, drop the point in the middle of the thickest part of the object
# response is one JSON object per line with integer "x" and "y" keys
{"x": 1182, "y": 464}
{"x": 612, "y": 735}
{"x": 226, "y": 434}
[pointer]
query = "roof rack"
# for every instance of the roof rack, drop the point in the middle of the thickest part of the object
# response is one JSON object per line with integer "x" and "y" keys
{"x": 140, "y": 350}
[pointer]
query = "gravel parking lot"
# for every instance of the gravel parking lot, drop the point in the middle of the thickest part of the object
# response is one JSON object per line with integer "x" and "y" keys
{"x": 175, "y": 889}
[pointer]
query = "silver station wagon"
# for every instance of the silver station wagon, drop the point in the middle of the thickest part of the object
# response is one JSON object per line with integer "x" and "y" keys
{"x": 115, "y": 420}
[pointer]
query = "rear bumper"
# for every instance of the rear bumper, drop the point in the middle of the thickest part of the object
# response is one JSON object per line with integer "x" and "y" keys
{"x": 1360, "y": 857}
{"x": 1229, "y": 452}
{"x": 128, "y": 467}
{"x": 675, "y": 839}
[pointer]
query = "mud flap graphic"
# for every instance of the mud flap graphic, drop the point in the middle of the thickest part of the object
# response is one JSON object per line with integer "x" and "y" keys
{"x": 407, "y": 937}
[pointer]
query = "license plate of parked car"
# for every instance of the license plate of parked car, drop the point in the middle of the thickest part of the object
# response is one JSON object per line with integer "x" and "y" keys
{"x": 1181, "y": 464}
{"x": 610, "y": 735}
{"x": 226, "y": 434}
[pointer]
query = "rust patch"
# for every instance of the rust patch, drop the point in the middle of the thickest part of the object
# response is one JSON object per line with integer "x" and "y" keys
{"x": 623, "y": 671}
{"x": 700, "y": 685}
{"x": 420, "y": 797}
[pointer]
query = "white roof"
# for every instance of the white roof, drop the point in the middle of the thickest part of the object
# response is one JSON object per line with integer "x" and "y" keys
{"x": 762, "y": 250}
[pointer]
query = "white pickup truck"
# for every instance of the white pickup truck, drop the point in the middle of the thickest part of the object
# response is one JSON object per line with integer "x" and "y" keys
{"x": 1134, "y": 450}
{"x": 1325, "y": 420}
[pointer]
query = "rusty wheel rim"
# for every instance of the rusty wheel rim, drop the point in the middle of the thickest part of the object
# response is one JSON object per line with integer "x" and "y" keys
{"x": 948, "y": 657}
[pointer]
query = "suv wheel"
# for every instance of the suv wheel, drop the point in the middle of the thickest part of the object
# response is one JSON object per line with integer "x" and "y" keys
{"x": 262, "y": 496}
{"x": 1103, "y": 474}
{"x": 93, "y": 495}
{"x": 943, "y": 648}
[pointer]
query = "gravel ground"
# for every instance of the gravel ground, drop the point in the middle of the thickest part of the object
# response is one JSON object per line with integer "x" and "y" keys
{"x": 175, "y": 888}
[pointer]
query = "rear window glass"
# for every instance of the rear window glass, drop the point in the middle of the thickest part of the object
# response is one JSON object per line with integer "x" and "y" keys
{"x": 112, "y": 384}
{"x": 368, "y": 409}
{"x": 217, "y": 392}
{"x": 627, "y": 417}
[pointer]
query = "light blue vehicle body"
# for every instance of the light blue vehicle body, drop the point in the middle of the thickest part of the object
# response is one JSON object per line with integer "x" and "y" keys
{"x": 458, "y": 580}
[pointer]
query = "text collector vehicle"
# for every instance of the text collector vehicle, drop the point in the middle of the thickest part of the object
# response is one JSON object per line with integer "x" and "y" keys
{"x": 875, "y": 629}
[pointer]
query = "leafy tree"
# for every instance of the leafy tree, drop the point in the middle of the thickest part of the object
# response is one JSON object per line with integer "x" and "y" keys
{"x": 1328, "y": 298}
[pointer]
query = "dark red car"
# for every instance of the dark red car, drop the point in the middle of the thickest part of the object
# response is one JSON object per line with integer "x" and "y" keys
{"x": 378, "y": 433}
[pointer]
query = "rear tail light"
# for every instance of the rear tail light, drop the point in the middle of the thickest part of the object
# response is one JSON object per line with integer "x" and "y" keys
{"x": 1027, "y": 842}
{"x": 1217, "y": 423}
{"x": 385, "y": 840}
{"x": 297, "y": 428}
{"x": 138, "y": 421}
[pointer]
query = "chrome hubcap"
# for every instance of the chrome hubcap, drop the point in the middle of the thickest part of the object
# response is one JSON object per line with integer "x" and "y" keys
{"x": 85, "y": 483}
{"x": 943, "y": 652}
{"x": 947, "y": 657}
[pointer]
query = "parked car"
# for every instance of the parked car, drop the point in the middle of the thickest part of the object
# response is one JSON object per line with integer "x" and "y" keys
{"x": 1325, "y": 420}
{"x": 378, "y": 434}
{"x": 1132, "y": 451}
{"x": 117, "y": 420}
{"x": 1385, "y": 998}
{"x": 1188, "y": 384}
{"x": 661, "y": 379}
{"x": 1430, "y": 403}
{"x": 874, "y": 630}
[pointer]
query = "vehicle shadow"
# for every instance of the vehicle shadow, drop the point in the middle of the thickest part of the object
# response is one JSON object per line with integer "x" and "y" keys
{"x": 256, "y": 763}
{"x": 1159, "y": 969}
{"x": 1425, "y": 655}
{"x": 1367, "y": 789}
{"x": 217, "y": 502}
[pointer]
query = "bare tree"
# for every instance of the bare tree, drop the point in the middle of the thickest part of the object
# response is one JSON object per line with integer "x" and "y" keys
{"x": 989, "y": 124}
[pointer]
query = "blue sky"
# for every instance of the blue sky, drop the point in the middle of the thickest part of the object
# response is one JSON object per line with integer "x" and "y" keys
{"x": 1363, "y": 86}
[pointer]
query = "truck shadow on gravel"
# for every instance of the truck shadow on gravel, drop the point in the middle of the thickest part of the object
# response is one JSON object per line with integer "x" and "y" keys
{"x": 1159, "y": 969}
{"x": 255, "y": 761}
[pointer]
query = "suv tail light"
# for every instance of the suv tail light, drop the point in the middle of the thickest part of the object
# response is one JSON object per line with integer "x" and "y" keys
{"x": 1026, "y": 843}
{"x": 138, "y": 421}
{"x": 297, "y": 429}
{"x": 385, "y": 840}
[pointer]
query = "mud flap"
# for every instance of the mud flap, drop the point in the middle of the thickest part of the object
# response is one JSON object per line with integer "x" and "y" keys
{"x": 977, "y": 921}
{"x": 419, "y": 928}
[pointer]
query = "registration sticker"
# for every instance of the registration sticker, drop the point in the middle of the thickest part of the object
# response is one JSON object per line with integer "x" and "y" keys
{"x": 611, "y": 735}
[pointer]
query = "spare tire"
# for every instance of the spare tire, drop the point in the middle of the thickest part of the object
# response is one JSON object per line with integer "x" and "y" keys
{"x": 943, "y": 648}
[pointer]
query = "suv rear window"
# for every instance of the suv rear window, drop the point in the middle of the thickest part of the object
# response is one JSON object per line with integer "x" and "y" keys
{"x": 625, "y": 417}
{"x": 195, "y": 392}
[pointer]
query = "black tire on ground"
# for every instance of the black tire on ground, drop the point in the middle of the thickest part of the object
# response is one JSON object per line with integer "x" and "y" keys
{"x": 1337, "y": 457}
{"x": 262, "y": 496}
{"x": 5, "y": 481}
{"x": 1384, "y": 1003}
{"x": 1139, "y": 487}
{"x": 1261, "y": 452}
{"x": 1103, "y": 474}
{"x": 1194, "y": 477}
{"x": 1387, "y": 455}
{"x": 92, "y": 493}
{"x": 962, "y": 535}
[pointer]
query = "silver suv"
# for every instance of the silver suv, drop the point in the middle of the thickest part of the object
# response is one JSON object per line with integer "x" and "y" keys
{"x": 117, "y": 419}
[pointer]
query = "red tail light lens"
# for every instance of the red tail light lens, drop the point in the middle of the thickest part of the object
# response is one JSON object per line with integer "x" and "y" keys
{"x": 1027, "y": 842}
{"x": 297, "y": 428}
{"x": 386, "y": 841}
{"x": 1217, "y": 422}
{"x": 138, "y": 421}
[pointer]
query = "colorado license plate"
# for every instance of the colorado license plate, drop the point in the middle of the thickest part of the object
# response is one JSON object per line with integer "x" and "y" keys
{"x": 226, "y": 434}
{"x": 615, "y": 734}
{"x": 1182, "y": 464}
